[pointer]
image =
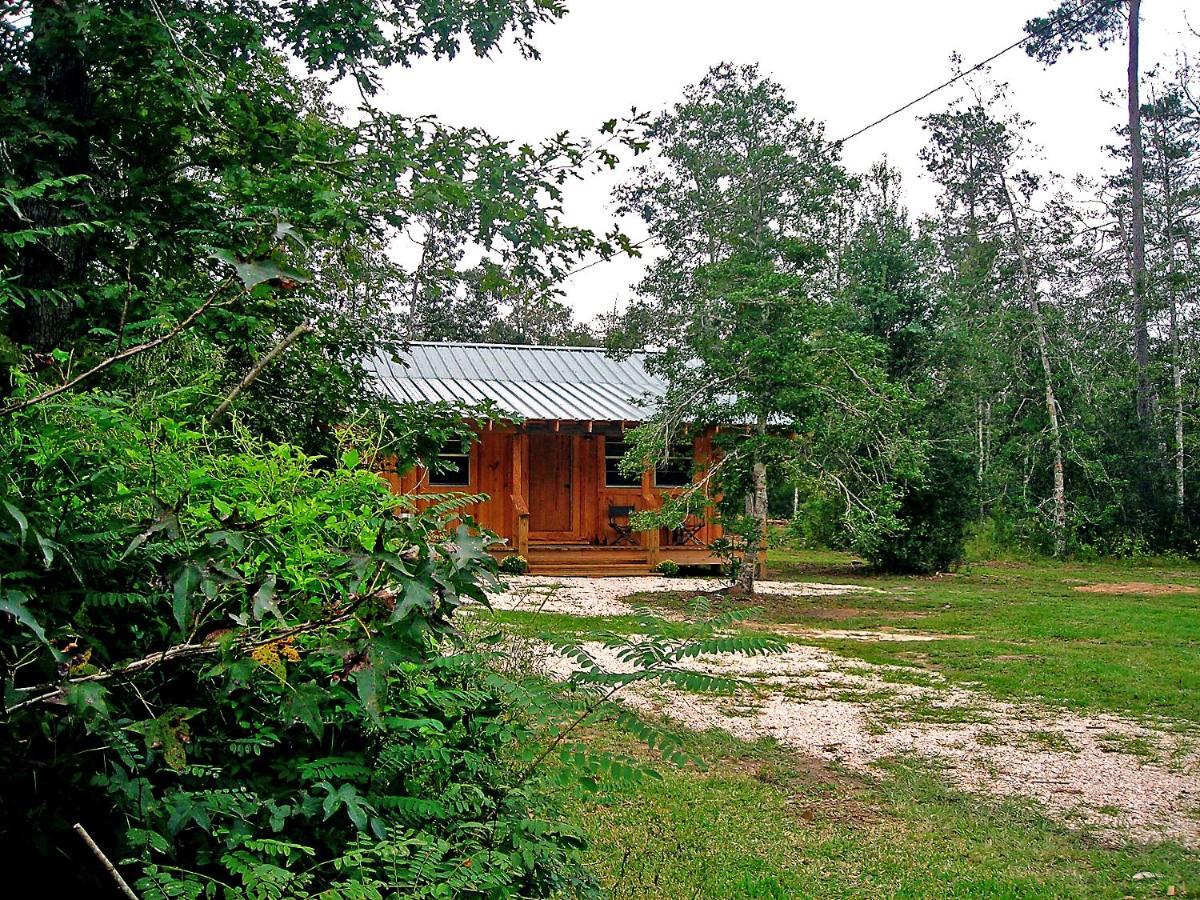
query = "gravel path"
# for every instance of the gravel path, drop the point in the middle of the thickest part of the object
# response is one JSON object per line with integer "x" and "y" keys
{"x": 602, "y": 596}
{"x": 1125, "y": 779}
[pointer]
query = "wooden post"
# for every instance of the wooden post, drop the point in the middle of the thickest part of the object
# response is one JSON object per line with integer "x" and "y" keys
{"x": 653, "y": 536}
{"x": 520, "y": 531}
{"x": 521, "y": 537}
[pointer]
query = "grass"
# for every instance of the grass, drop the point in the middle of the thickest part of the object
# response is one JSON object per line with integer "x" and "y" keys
{"x": 1034, "y": 636}
{"x": 763, "y": 823}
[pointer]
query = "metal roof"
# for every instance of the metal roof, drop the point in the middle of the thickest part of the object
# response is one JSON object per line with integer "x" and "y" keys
{"x": 535, "y": 382}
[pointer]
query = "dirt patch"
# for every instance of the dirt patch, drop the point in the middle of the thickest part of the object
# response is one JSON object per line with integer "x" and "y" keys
{"x": 858, "y": 634}
{"x": 771, "y": 607}
{"x": 1137, "y": 587}
{"x": 854, "y": 714}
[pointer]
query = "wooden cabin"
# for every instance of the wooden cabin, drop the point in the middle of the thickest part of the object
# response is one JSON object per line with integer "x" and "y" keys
{"x": 555, "y": 491}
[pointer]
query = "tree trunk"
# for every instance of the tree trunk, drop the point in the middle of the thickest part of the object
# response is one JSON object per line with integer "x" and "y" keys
{"x": 1168, "y": 189}
{"x": 1039, "y": 325}
{"x": 1137, "y": 274}
{"x": 756, "y": 508}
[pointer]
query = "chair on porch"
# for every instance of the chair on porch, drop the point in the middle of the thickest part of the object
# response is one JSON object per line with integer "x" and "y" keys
{"x": 619, "y": 521}
{"x": 688, "y": 533}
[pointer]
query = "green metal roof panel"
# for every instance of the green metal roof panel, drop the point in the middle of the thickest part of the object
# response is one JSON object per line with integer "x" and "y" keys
{"x": 535, "y": 382}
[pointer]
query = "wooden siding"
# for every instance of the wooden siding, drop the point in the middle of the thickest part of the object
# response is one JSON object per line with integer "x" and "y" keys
{"x": 503, "y": 462}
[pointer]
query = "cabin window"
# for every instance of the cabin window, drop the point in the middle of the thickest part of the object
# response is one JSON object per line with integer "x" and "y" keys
{"x": 614, "y": 451}
{"x": 452, "y": 469}
{"x": 676, "y": 469}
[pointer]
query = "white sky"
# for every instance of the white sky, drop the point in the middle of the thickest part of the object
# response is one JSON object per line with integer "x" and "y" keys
{"x": 845, "y": 63}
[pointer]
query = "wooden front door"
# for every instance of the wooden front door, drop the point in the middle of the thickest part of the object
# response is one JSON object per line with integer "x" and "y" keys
{"x": 551, "y": 492}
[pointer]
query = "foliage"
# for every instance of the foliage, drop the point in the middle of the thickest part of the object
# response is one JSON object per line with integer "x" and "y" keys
{"x": 226, "y": 647}
{"x": 885, "y": 270}
{"x": 514, "y": 564}
{"x": 739, "y": 302}
{"x": 234, "y": 661}
{"x": 667, "y": 567}
{"x": 140, "y": 137}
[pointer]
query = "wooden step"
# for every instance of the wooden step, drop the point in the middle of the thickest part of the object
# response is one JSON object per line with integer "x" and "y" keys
{"x": 585, "y": 548}
{"x": 590, "y": 569}
{"x": 591, "y": 559}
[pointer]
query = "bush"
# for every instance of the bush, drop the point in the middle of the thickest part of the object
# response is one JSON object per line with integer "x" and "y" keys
{"x": 668, "y": 567}
{"x": 933, "y": 518}
{"x": 514, "y": 564}
{"x": 237, "y": 668}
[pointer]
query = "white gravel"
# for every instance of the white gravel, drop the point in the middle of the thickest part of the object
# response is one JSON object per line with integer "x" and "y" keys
{"x": 601, "y": 596}
{"x": 1082, "y": 769}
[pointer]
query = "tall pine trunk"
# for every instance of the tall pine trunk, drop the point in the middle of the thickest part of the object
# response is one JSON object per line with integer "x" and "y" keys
{"x": 1137, "y": 274}
{"x": 1043, "y": 342}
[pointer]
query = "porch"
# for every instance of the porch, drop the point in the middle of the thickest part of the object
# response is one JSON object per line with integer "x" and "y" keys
{"x": 570, "y": 508}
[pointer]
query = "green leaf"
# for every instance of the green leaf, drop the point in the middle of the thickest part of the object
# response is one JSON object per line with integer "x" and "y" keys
{"x": 264, "y": 600}
{"x": 372, "y": 687}
{"x": 18, "y": 517}
{"x": 185, "y": 585}
{"x": 87, "y": 696}
{"x": 47, "y": 546}
{"x": 13, "y": 602}
{"x": 260, "y": 271}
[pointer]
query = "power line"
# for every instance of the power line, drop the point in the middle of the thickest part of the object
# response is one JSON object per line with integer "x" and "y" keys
{"x": 961, "y": 75}
{"x": 940, "y": 87}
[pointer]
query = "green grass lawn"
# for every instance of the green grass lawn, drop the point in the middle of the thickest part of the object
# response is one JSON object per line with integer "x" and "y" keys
{"x": 762, "y": 821}
{"x": 759, "y": 822}
{"x": 1033, "y": 634}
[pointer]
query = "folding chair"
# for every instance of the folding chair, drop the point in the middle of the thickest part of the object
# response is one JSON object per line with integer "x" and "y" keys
{"x": 618, "y": 521}
{"x": 688, "y": 533}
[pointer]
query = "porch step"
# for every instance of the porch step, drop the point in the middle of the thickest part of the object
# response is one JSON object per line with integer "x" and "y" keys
{"x": 595, "y": 559}
{"x": 590, "y": 569}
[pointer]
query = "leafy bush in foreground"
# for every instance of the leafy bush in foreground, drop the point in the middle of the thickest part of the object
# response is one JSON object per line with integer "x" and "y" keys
{"x": 238, "y": 670}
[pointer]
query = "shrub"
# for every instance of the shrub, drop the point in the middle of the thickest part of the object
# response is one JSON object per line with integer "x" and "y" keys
{"x": 932, "y": 519}
{"x": 237, "y": 668}
{"x": 514, "y": 564}
{"x": 668, "y": 567}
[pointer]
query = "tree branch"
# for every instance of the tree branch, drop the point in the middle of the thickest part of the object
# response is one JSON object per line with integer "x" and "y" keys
{"x": 47, "y": 692}
{"x": 257, "y": 368}
{"x": 179, "y": 328}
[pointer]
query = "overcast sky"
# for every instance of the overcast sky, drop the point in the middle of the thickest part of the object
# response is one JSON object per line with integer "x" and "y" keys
{"x": 845, "y": 63}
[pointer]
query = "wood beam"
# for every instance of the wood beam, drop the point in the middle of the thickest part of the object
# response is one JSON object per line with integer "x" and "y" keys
{"x": 520, "y": 532}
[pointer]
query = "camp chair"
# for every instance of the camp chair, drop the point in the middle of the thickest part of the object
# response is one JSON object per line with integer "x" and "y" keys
{"x": 688, "y": 533}
{"x": 618, "y": 521}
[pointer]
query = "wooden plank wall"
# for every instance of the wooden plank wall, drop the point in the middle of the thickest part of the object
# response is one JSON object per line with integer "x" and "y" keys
{"x": 492, "y": 471}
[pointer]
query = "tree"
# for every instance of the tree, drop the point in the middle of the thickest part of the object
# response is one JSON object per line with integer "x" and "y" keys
{"x": 1173, "y": 163}
{"x": 740, "y": 200}
{"x": 972, "y": 156}
{"x": 886, "y": 275}
{"x": 225, "y": 646}
{"x": 1075, "y": 23}
{"x": 151, "y": 119}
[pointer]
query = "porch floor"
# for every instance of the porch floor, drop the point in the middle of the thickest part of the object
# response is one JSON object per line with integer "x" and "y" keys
{"x": 593, "y": 561}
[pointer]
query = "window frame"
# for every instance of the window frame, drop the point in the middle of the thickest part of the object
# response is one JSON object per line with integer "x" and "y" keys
{"x": 683, "y": 451}
{"x": 436, "y": 479}
{"x": 617, "y": 442}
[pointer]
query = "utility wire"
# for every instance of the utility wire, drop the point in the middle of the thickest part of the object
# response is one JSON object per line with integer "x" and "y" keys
{"x": 961, "y": 75}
